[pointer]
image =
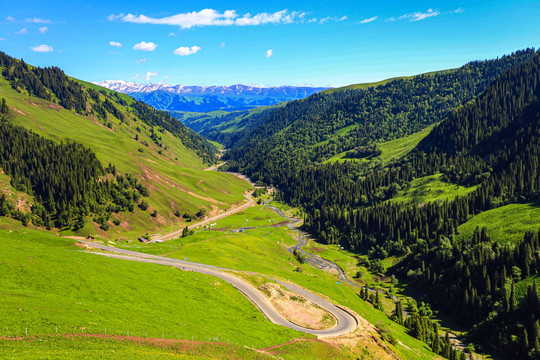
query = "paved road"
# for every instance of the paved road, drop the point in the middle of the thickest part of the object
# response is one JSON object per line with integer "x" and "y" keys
{"x": 345, "y": 321}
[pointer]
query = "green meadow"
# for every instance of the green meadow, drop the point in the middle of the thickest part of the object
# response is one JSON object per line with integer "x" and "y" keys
{"x": 431, "y": 188}
{"x": 505, "y": 224}
{"x": 49, "y": 285}
{"x": 390, "y": 150}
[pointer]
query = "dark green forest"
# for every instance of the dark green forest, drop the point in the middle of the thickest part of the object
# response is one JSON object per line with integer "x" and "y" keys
{"x": 66, "y": 180}
{"x": 488, "y": 135}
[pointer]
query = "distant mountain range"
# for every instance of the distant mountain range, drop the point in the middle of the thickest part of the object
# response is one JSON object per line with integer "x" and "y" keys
{"x": 209, "y": 98}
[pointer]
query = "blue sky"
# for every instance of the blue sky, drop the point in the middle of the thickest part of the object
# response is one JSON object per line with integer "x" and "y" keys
{"x": 265, "y": 42}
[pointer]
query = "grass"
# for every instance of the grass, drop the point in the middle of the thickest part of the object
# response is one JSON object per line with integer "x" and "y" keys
{"x": 431, "y": 188}
{"x": 89, "y": 348}
{"x": 505, "y": 224}
{"x": 85, "y": 347}
{"x": 400, "y": 147}
{"x": 175, "y": 178}
{"x": 254, "y": 216}
{"x": 46, "y": 283}
{"x": 43, "y": 275}
{"x": 339, "y": 133}
{"x": 390, "y": 149}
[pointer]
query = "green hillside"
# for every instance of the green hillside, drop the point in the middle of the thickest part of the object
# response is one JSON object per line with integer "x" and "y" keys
{"x": 261, "y": 248}
{"x": 158, "y": 158}
{"x": 411, "y": 217}
{"x": 43, "y": 275}
{"x": 226, "y": 128}
{"x": 390, "y": 150}
{"x": 505, "y": 224}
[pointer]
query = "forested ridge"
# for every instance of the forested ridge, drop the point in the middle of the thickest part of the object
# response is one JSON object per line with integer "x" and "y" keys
{"x": 492, "y": 142}
{"x": 52, "y": 84}
{"x": 306, "y": 130}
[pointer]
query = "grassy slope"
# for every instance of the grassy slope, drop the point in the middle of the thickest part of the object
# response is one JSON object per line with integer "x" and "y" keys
{"x": 43, "y": 275}
{"x": 400, "y": 147}
{"x": 391, "y": 149}
{"x": 505, "y": 224}
{"x": 431, "y": 188}
{"x": 89, "y": 348}
{"x": 169, "y": 176}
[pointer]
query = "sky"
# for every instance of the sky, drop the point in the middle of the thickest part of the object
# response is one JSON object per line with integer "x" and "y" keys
{"x": 270, "y": 43}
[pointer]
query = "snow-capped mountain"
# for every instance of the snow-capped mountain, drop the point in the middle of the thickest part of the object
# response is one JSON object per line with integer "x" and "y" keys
{"x": 208, "y": 98}
{"x": 129, "y": 87}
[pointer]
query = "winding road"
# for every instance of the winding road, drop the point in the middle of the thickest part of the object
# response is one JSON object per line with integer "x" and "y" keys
{"x": 346, "y": 322}
{"x": 316, "y": 261}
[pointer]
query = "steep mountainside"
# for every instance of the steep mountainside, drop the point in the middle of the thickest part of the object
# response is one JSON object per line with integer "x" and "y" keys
{"x": 483, "y": 154}
{"x": 209, "y": 98}
{"x": 96, "y": 161}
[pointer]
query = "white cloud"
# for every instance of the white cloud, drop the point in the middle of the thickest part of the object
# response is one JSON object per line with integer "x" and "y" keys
{"x": 21, "y": 32}
{"x": 149, "y": 75}
{"x": 29, "y": 20}
{"x": 223, "y": 44}
{"x": 144, "y": 46}
{"x": 269, "y": 53}
{"x": 37, "y": 21}
{"x": 185, "y": 51}
{"x": 368, "y": 20}
{"x": 135, "y": 77}
{"x": 42, "y": 48}
{"x": 43, "y": 29}
{"x": 172, "y": 34}
{"x": 141, "y": 60}
{"x": 459, "y": 10}
{"x": 417, "y": 16}
{"x": 2, "y": 39}
{"x": 211, "y": 17}
{"x": 115, "y": 44}
{"x": 332, "y": 18}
